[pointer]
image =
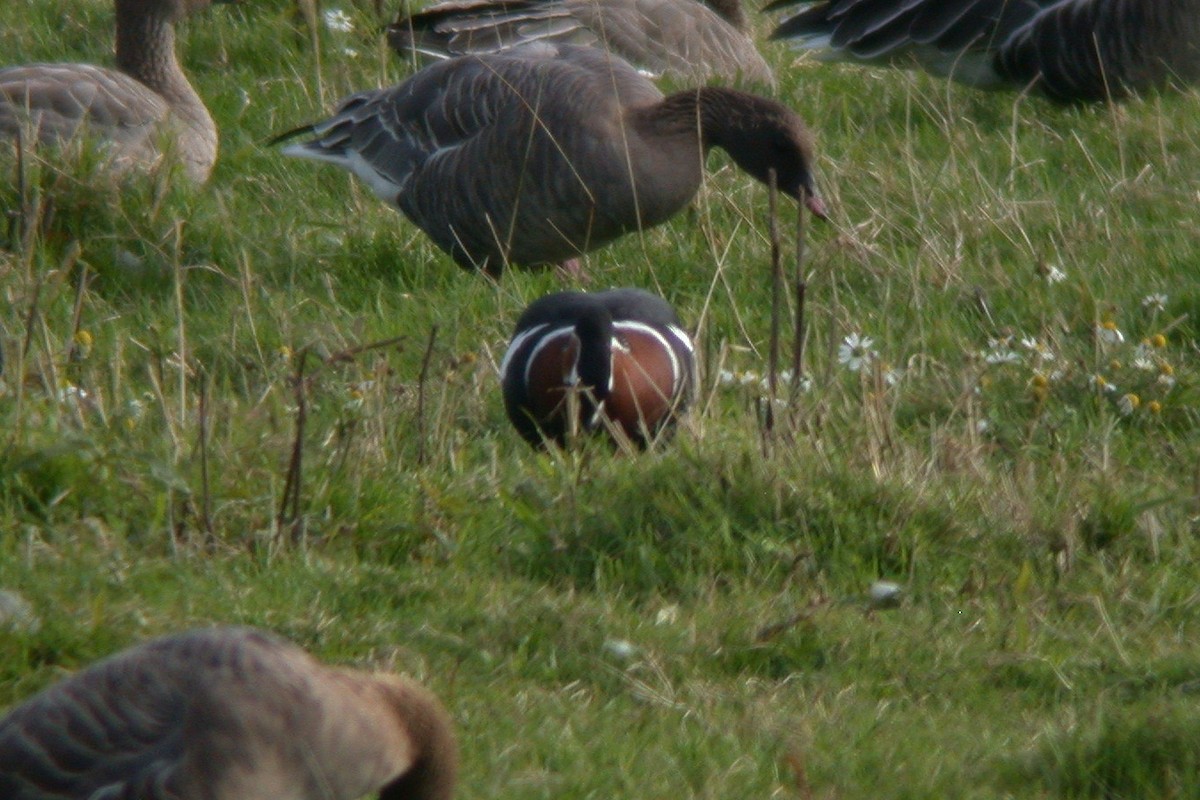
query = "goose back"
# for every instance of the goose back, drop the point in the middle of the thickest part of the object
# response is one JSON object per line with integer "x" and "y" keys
{"x": 619, "y": 360}
{"x": 226, "y": 714}
{"x": 1070, "y": 50}
{"x": 536, "y": 155}
{"x": 681, "y": 38}
{"x": 517, "y": 157}
{"x": 130, "y": 110}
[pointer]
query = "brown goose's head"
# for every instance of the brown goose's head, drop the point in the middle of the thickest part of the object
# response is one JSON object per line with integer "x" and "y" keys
{"x": 432, "y": 756}
{"x": 762, "y": 135}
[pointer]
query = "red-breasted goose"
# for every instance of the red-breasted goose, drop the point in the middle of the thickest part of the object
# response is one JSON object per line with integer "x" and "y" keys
{"x": 132, "y": 109}
{"x": 226, "y": 714}
{"x": 619, "y": 357}
{"x": 688, "y": 39}
{"x": 1071, "y": 50}
{"x": 538, "y": 154}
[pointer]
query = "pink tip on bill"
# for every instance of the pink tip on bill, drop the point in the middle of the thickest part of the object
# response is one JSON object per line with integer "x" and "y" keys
{"x": 817, "y": 206}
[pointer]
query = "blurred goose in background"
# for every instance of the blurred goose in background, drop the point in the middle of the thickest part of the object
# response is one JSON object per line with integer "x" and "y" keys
{"x": 128, "y": 108}
{"x": 1070, "y": 50}
{"x": 623, "y": 351}
{"x": 226, "y": 714}
{"x": 688, "y": 39}
{"x": 538, "y": 154}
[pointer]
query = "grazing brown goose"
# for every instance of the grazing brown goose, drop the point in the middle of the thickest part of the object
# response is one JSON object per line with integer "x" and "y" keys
{"x": 538, "y": 154}
{"x": 226, "y": 714}
{"x": 623, "y": 351}
{"x": 1071, "y": 50}
{"x": 689, "y": 39}
{"x": 132, "y": 109}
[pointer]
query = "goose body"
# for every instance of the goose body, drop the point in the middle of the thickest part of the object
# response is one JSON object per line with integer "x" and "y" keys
{"x": 131, "y": 110}
{"x": 1070, "y": 50}
{"x": 538, "y": 154}
{"x": 623, "y": 352}
{"x": 686, "y": 39}
{"x": 226, "y": 714}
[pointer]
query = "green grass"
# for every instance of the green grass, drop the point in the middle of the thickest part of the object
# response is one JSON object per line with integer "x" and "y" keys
{"x": 1046, "y": 541}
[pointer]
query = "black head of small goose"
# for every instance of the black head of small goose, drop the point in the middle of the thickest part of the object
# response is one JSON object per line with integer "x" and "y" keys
{"x": 620, "y": 359}
{"x": 538, "y": 154}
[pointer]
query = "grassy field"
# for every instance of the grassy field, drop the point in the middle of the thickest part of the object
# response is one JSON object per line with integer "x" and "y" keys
{"x": 1020, "y": 454}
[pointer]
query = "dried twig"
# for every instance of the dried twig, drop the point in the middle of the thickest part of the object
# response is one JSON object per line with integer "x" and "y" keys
{"x": 202, "y": 444}
{"x": 425, "y": 360}
{"x": 795, "y": 760}
{"x": 801, "y": 287}
{"x": 350, "y": 352}
{"x": 85, "y": 278}
{"x": 289, "y": 505}
{"x": 776, "y": 310}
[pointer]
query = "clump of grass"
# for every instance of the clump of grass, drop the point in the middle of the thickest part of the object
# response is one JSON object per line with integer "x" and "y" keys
{"x": 1118, "y": 752}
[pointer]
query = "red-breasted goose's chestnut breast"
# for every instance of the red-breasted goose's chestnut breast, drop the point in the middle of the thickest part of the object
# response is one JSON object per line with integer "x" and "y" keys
{"x": 619, "y": 359}
{"x": 227, "y": 714}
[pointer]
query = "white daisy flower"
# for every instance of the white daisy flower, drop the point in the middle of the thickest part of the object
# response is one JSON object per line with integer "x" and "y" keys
{"x": 1154, "y": 302}
{"x": 1143, "y": 357}
{"x": 855, "y": 352}
{"x": 1039, "y": 348}
{"x": 999, "y": 351}
{"x": 1109, "y": 333}
{"x": 71, "y": 392}
{"x": 338, "y": 20}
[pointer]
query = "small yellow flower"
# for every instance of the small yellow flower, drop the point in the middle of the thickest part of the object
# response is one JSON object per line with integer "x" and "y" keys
{"x": 1165, "y": 368}
{"x": 1128, "y": 403}
{"x": 1154, "y": 407}
{"x": 1039, "y": 381}
{"x": 1114, "y": 365}
{"x": 284, "y": 352}
{"x": 1158, "y": 340}
{"x": 83, "y": 338}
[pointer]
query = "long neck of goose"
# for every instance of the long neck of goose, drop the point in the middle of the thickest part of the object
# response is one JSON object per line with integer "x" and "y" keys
{"x": 146, "y": 52}
{"x": 593, "y": 365}
{"x": 712, "y": 112}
